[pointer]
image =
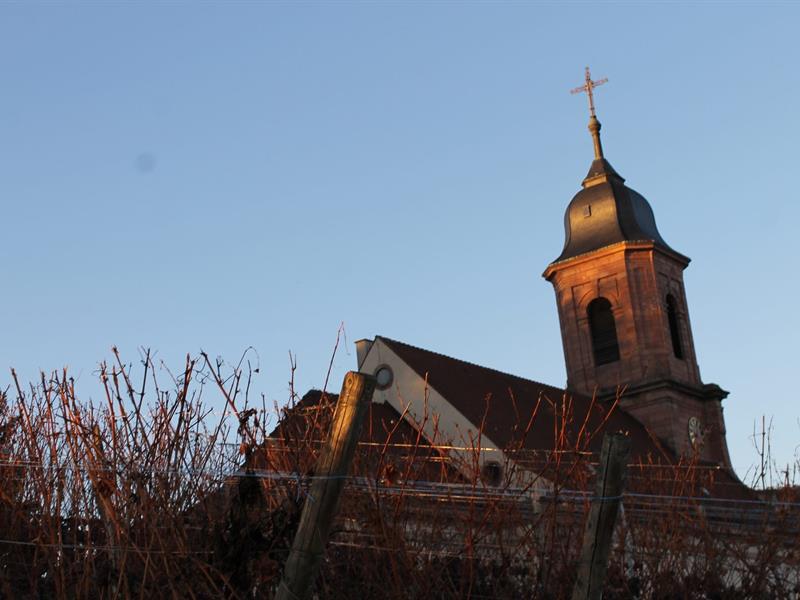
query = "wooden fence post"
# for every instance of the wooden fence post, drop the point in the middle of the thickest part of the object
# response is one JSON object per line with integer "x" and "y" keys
{"x": 322, "y": 500}
{"x": 597, "y": 537}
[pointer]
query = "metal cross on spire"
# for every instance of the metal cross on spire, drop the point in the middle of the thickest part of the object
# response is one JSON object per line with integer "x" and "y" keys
{"x": 594, "y": 124}
{"x": 588, "y": 87}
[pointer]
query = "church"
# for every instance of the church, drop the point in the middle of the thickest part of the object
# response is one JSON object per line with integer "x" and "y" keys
{"x": 627, "y": 339}
{"x": 487, "y": 484}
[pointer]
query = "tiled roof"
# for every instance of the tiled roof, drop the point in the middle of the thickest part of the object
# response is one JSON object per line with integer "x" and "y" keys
{"x": 387, "y": 442}
{"x": 506, "y": 406}
{"x": 381, "y": 421}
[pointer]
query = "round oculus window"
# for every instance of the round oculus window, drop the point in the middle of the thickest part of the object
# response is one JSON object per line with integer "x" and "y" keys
{"x": 383, "y": 377}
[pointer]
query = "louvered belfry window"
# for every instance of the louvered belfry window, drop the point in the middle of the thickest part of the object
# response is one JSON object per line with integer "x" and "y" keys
{"x": 674, "y": 327}
{"x": 604, "y": 332}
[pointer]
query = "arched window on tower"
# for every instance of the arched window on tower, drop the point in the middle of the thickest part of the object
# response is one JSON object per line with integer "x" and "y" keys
{"x": 674, "y": 326}
{"x": 604, "y": 332}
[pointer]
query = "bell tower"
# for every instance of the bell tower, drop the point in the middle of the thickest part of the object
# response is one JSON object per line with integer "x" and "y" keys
{"x": 624, "y": 315}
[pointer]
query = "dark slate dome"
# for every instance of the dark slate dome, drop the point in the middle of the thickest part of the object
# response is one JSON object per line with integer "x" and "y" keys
{"x": 605, "y": 212}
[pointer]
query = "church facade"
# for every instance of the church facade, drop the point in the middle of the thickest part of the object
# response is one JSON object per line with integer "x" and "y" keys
{"x": 626, "y": 335}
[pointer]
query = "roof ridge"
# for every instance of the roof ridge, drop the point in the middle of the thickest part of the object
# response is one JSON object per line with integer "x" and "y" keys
{"x": 472, "y": 364}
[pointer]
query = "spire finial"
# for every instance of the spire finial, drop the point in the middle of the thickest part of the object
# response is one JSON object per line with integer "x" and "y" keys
{"x": 594, "y": 124}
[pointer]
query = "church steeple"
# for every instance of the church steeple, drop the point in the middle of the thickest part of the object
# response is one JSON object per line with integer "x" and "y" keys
{"x": 623, "y": 308}
{"x": 606, "y": 211}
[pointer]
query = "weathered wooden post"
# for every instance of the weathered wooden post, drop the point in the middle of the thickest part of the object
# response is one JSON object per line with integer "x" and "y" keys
{"x": 322, "y": 501}
{"x": 597, "y": 537}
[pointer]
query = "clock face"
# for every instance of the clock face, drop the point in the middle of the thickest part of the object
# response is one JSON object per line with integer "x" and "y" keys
{"x": 695, "y": 432}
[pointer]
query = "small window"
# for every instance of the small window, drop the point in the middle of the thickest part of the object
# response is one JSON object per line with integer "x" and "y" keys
{"x": 604, "y": 332}
{"x": 492, "y": 474}
{"x": 674, "y": 326}
{"x": 383, "y": 377}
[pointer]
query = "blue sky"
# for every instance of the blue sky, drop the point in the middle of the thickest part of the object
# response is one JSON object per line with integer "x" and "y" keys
{"x": 182, "y": 176}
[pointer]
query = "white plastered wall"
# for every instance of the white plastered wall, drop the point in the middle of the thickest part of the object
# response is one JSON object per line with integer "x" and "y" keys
{"x": 442, "y": 424}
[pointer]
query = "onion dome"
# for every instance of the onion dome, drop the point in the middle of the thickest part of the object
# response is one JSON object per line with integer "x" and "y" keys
{"x": 606, "y": 211}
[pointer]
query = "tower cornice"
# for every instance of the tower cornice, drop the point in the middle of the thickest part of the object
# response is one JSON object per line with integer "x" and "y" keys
{"x": 624, "y": 246}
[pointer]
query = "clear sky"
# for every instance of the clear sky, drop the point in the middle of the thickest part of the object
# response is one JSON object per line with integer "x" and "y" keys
{"x": 191, "y": 175}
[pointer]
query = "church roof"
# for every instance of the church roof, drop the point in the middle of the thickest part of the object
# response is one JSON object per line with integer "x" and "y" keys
{"x": 505, "y": 403}
{"x": 381, "y": 420}
{"x": 511, "y": 413}
{"x": 525, "y": 418}
{"x": 606, "y": 212}
{"x": 385, "y": 437}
